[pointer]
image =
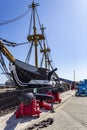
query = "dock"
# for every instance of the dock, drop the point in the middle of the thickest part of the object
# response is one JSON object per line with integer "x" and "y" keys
{"x": 72, "y": 115}
{"x": 61, "y": 115}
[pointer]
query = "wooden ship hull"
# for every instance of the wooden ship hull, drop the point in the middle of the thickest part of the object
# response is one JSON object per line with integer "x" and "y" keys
{"x": 26, "y": 75}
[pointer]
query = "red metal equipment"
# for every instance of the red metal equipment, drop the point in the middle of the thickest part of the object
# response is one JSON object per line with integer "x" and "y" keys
{"x": 42, "y": 98}
{"x": 56, "y": 97}
{"x": 45, "y": 105}
{"x": 31, "y": 109}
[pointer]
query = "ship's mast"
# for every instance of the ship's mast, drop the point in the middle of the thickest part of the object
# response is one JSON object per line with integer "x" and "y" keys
{"x": 35, "y": 37}
{"x": 45, "y": 50}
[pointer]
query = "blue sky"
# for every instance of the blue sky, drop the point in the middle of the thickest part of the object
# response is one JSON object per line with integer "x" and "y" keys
{"x": 66, "y": 32}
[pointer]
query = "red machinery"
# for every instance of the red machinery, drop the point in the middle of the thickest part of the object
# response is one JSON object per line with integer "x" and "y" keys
{"x": 55, "y": 94}
{"x": 31, "y": 104}
{"x": 28, "y": 106}
{"x": 44, "y": 104}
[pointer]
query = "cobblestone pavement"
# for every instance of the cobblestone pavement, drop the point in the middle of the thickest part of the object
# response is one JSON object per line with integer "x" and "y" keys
{"x": 72, "y": 115}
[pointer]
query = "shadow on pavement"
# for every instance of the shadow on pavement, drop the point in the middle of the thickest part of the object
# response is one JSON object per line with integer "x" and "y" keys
{"x": 14, "y": 124}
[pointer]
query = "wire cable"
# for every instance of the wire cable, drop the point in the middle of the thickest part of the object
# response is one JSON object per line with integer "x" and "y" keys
{"x": 40, "y": 45}
{"x": 15, "y": 44}
{"x": 38, "y": 18}
{"x": 30, "y": 24}
{"x": 29, "y": 53}
{"x": 12, "y": 44}
{"x": 3, "y": 67}
{"x": 41, "y": 63}
{"x": 14, "y": 19}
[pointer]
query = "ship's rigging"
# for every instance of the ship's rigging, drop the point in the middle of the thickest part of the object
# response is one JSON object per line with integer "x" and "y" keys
{"x": 34, "y": 39}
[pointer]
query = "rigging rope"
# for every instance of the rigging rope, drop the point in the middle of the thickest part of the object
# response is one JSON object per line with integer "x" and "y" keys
{"x": 40, "y": 45}
{"x": 30, "y": 23}
{"x": 29, "y": 53}
{"x": 14, "y": 19}
{"x": 13, "y": 44}
{"x": 49, "y": 53}
{"x": 31, "y": 20}
{"x": 38, "y": 18}
{"x": 3, "y": 67}
{"x": 47, "y": 57}
{"x": 16, "y": 44}
{"x": 42, "y": 60}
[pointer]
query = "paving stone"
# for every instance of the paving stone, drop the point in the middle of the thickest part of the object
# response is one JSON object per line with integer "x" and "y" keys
{"x": 71, "y": 115}
{"x": 9, "y": 122}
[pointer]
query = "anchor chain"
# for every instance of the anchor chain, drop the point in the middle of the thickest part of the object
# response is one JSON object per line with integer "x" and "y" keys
{"x": 42, "y": 124}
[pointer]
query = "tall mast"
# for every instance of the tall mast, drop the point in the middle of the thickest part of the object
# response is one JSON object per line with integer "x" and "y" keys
{"x": 45, "y": 50}
{"x": 35, "y": 37}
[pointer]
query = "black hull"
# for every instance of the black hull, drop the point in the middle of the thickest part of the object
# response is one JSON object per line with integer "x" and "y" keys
{"x": 26, "y": 75}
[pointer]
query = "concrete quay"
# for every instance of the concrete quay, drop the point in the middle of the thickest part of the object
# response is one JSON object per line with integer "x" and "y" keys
{"x": 72, "y": 115}
{"x": 9, "y": 122}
